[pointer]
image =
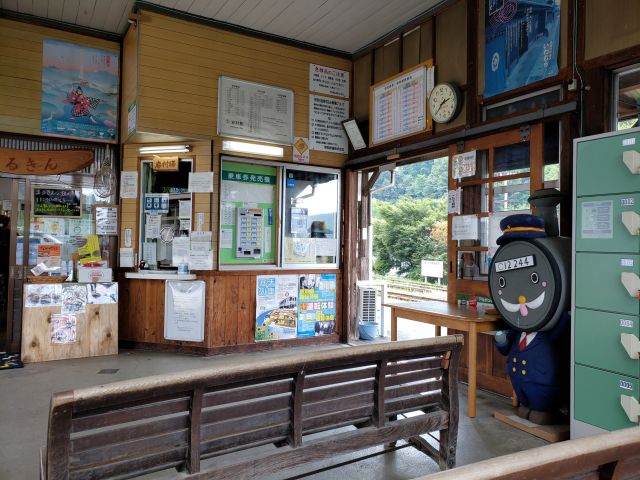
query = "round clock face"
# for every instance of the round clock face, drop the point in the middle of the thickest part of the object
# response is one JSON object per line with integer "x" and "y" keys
{"x": 166, "y": 234}
{"x": 444, "y": 102}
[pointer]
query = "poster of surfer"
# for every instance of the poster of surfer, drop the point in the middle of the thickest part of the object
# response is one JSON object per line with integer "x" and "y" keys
{"x": 79, "y": 92}
{"x": 521, "y": 43}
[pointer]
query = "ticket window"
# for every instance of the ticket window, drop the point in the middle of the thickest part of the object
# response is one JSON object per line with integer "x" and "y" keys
{"x": 311, "y": 221}
{"x": 165, "y": 213}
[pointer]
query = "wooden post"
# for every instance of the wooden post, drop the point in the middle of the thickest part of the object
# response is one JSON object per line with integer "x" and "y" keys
{"x": 378, "y": 405}
{"x": 449, "y": 436}
{"x": 195, "y": 413}
{"x": 295, "y": 433}
{"x": 59, "y": 436}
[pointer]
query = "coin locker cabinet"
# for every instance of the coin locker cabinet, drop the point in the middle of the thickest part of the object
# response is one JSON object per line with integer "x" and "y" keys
{"x": 606, "y": 282}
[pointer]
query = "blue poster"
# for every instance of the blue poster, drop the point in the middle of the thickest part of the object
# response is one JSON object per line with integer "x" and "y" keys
{"x": 521, "y": 43}
{"x": 79, "y": 92}
{"x": 317, "y": 304}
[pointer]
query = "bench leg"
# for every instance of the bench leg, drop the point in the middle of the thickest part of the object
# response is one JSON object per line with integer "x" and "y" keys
{"x": 392, "y": 418}
{"x": 448, "y": 441}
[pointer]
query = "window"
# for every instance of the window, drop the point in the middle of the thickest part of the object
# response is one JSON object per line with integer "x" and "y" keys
{"x": 165, "y": 215}
{"x": 275, "y": 215}
{"x": 626, "y": 98}
{"x": 310, "y": 217}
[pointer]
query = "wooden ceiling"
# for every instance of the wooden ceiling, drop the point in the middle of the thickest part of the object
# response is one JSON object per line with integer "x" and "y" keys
{"x": 344, "y": 25}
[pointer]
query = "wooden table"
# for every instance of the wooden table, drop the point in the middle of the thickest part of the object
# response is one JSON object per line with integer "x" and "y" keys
{"x": 443, "y": 314}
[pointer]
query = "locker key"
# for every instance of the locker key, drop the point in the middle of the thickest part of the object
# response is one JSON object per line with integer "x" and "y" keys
{"x": 631, "y": 407}
{"x": 631, "y": 283}
{"x": 631, "y": 220}
{"x": 631, "y": 344}
{"x": 631, "y": 159}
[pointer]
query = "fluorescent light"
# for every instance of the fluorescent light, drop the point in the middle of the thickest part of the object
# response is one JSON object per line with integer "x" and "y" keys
{"x": 255, "y": 148}
{"x": 165, "y": 149}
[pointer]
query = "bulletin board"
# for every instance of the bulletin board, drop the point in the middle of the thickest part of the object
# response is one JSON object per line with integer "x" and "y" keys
{"x": 398, "y": 104}
{"x": 247, "y": 186}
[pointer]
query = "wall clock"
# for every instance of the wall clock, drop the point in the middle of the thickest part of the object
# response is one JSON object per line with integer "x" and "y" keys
{"x": 444, "y": 102}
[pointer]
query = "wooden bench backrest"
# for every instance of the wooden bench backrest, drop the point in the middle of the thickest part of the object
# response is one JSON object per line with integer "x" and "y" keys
{"x": 614, "y": 455}
{"x": 174, "y": 420}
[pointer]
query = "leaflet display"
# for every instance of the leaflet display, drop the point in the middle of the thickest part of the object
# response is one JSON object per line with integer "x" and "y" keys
{"x": 255, "y": 111}
{"x": 399, "y": 105}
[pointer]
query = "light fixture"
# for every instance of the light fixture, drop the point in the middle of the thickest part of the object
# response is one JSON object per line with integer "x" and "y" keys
{"x": 164, "y": 149}
{"x": 255, "y": 148}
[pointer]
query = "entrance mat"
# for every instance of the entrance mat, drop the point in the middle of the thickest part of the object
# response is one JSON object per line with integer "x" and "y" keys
{"x": 550, "y": 433}
{"x": 10, "y": 360}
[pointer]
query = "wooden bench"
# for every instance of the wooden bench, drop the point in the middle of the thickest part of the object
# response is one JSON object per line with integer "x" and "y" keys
{"x": 614, "y": 455}
{"x": 134, "y": 427}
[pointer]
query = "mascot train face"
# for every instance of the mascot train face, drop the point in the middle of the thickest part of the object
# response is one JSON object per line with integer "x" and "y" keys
{"x": 529, "y": 273}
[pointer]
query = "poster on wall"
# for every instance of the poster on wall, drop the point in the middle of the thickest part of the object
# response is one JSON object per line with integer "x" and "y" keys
{"x": 521, "y": 43}
{"x": 325, "y": 124}
{"x": 328, "y": 81}
{"x": 63, "y": 328}
{"x": 276, "y": 307}
{"x": 317, "y": 304}
{"x": 255, "y": 111}
{"x": 79, "y": 92}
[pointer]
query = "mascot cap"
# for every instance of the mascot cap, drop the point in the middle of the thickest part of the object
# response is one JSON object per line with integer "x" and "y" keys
{"x": 521, "y": 225}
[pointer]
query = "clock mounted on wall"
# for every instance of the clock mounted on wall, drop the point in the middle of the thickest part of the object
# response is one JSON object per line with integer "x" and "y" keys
{"x": 444, "y": 102}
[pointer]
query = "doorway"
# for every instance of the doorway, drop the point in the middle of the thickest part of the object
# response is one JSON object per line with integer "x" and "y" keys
{"x": 13, "y": 259}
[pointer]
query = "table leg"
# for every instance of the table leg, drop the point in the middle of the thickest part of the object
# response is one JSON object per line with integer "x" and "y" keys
{"x": 394, "y": 325}
{"x": 514, "y": 398}
{"x": 473, "y": 348}
{"x": 438, "y": 330}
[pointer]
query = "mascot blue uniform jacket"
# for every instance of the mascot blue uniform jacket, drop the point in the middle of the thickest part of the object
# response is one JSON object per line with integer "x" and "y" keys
{"x": 538, "y": 373}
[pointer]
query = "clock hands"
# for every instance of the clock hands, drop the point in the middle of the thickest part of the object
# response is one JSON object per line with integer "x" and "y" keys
{"x": 441, "y": 104}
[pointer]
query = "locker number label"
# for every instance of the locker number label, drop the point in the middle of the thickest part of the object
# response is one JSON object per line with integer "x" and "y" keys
{"x": 626, "y": 323}
{"x": 628, "y": 141}
{"x": 626, "y": 262}
{"x": 626, "y": 385}
{"x": 627, "y": 202}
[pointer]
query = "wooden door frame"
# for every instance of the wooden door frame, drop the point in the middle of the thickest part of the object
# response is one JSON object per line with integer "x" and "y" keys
{"x": 490, "y": 142}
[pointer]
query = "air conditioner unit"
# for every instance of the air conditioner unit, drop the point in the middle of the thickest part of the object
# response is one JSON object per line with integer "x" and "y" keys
{"x": 371, "y": 297}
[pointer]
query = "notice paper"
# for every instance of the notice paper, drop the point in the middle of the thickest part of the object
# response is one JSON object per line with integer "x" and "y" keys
{"x": 180, "y": 250}
{"x": 184, "y": 209}
{"x": 597, "y": 219}
{"x": 201, "y": 182}
{"x": 200, "y": 252}
{"x": 464, "y": 227}
{"x": 152, "y": 226}
{"x": 126, "y": 257}
{"x": 226, "y": 238}
{"x": 63, "y": 328}
{"x": 129, "y": 185}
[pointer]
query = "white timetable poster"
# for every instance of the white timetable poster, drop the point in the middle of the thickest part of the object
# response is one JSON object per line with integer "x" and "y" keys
{"x": 255, "y": 111}
{"x": 399, "y": 106}
{"x": 325, "y": 124}
{"x": 328, "y": 81}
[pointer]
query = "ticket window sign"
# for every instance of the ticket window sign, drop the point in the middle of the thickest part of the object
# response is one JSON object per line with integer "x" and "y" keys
{"x": 165, "y": 164}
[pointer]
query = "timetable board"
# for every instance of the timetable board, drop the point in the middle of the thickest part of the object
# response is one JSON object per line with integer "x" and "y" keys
{"x": 399, "y": 104}
{"x": 255, "y": 111}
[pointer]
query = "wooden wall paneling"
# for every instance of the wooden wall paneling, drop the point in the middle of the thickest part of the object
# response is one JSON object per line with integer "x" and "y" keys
{"x": 411, "y": 48}
{"x": 378, "y": 65}
{"x": 362, "y": 73}
{"x": 426, "y": 40}
{"x": 180, "y": 62}
{"x": 608, "y": 32}
{"x": 536, "y": 149}
{"x": 246, "y": 331}
{"x": 472, "y": 112}
{"x": 451, "y": 53}
{"x": 21, "y": 72}
{"x": 216, "y": 323}
{"x": 231, "y": 287}
{"x": 391, "y": 58}
{"x": 129, "y": 79}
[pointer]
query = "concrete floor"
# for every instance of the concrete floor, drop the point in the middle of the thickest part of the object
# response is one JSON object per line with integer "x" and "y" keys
{"x": 25, "y": 394}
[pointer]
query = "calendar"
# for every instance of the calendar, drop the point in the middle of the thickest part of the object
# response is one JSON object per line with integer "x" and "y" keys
{"x": 250, "y": 233}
